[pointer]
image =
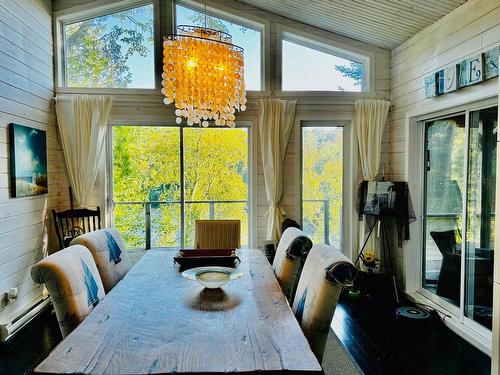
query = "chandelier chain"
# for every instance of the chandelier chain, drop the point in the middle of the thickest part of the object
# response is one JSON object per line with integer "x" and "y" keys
{"x": 205, "y": 14}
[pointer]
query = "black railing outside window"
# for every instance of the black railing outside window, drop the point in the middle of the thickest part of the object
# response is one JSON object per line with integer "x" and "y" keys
{"x": 149, "y": 231}
{"x": 148, "y": 205}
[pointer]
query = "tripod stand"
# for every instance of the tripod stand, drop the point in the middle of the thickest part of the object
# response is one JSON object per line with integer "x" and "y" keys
{"x": 385, "y": 250}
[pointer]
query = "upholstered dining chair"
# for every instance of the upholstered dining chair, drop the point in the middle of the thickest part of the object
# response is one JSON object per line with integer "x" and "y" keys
{"x": 326, "y": 271}
{"x": 70, "y": 275}
{"x": 217, "y": 234}
{"x": 108, "y": 250}
{"x": 288, "y": 260}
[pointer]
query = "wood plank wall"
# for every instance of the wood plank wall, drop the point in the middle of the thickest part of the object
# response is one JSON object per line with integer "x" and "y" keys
{"x": 472, "y": 28}
{"x": 150, "y": 108}
{"x": 26, "y": 91}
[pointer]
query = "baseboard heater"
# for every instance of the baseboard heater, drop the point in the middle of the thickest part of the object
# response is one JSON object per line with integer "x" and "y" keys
{"x": 9, "y": 329}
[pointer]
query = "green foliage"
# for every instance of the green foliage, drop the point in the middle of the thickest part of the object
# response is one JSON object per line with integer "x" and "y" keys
{"x": 147, "y": 168}
{"x": 97, "y": 50}
{"x": 199, "y": 19}
{"x": 353, "y": 71}
{"x": 322, "y": 178}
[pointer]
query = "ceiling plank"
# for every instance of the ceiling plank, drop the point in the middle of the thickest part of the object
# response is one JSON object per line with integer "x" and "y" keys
{"x": 384, "y": 23}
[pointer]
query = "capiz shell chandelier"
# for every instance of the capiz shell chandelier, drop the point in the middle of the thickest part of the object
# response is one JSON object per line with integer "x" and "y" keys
{"x": 203, "y": 76}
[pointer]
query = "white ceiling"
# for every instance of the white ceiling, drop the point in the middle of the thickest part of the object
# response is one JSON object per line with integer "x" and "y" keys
{"x": 384, "y": 23}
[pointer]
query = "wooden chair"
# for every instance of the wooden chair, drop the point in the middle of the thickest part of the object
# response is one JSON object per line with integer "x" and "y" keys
{"x": 326, "y": 271}
{"x": 74, "y": 222}
{"x": 217, "y": 234}
{"x": 292, "y": 249}
{"x": 71, "y": 277}
{"x": 108, "y": 250}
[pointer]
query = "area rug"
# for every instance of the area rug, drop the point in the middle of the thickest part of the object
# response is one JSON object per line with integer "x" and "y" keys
{"x": 337, "y": 360}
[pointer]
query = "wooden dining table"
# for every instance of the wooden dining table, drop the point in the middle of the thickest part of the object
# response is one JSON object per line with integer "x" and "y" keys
{"x": 155, "y": 321}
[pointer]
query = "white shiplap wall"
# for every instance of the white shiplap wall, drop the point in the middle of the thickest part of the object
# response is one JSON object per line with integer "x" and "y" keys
{"x": 150, "y": 108}
{"x": 26, "y": 91}
{"x": 474, "y": 27}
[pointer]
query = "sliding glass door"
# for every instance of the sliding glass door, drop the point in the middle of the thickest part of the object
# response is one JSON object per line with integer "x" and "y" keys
{"x": 445, "y": 141}
{"x": 459, "y": 201}
{"x": 166, "y": 177}
{"x": 480, "y": 216}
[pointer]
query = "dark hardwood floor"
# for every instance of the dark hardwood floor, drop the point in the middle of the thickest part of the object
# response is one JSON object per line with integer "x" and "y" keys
{"x": 30, "y": 346}
{"x": 382, "y": 344}
{"x": 378, "y": 342}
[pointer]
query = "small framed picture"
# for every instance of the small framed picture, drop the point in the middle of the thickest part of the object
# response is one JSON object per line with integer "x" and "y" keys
{"x": 28, "y": 161}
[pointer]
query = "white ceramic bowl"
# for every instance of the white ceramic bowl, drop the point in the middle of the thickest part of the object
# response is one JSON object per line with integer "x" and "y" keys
{"x": 212, "y": 277}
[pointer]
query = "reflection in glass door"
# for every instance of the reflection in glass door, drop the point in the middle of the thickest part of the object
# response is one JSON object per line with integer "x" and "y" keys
{"x": 459, "y": 217}
{"x": 480, "y": 216}
{"x": 445, "y": 142}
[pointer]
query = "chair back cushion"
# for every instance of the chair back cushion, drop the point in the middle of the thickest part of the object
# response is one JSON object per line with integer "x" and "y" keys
{"x": 108, "y": 250}
{"x": 326, "y": 271}
{"x": 217, "y": 234}
{"x": 292, "y": 248}
{"x": 71, "y": 277}
{"x": 287, "y": 223}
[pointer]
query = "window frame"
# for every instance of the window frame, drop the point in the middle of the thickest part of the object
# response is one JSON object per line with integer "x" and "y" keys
{"x": 329, "y": 46}
{"x": 252, "y": 179}
{"x": 90, "y": 11}
{"x": 350, "y": 174}
{"x": 242, "y": 19}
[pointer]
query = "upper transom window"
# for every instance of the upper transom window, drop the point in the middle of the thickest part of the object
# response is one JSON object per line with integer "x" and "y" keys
{"x": 244, "y": 36}
{"x": 309, "y": 66}
{"x": 115, "y": 50}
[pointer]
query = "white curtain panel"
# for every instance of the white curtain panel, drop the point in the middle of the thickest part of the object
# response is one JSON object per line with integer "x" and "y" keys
{"x": 275, "y": 121}
{"x": 82, "y": 121}
{"x": 369, "y": 122}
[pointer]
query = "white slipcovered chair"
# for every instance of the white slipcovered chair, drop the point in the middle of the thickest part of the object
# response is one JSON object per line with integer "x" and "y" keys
{"x": 288, "y": 260}
{"x": 108, "y": 250}
{"x": 326, "y": 271}
{"x": 75, "y": 288}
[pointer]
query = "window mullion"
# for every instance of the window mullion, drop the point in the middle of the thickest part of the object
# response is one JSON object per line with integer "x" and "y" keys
{"x": 465, "y": 217}
{"x": 181, "y": 151}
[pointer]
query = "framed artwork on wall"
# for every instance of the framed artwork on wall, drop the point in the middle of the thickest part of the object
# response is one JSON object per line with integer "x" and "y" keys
{"x": 28, "y": 161}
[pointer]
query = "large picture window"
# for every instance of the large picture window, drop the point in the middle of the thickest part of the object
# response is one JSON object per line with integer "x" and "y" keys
{"x": 115, "y": 50}
{"x": 309, "y": 67}
{"x": 250, "y": 39}
{"x": 165, "y": 178}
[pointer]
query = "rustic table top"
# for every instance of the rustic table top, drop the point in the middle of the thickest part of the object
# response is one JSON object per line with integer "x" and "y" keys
{"x": 155, "y": 321}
